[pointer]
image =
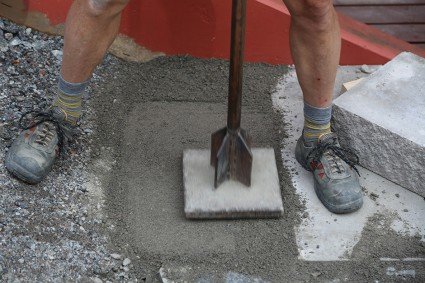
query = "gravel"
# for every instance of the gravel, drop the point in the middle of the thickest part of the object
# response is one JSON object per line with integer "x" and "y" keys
{"x": 126, "y": 262}
{"x": 56, "y": 230}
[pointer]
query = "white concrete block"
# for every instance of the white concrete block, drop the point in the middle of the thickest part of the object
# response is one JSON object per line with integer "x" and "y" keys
{"x": 232, "y": 199}
{"x": 383, "y": 120}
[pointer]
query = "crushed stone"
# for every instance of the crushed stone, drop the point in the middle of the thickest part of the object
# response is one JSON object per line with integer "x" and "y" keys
{"x": 54, "y": 230}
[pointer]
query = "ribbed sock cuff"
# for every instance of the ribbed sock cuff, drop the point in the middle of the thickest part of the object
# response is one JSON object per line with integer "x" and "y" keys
{"x": 318, "y": 115}
{"x": 72, "y": 89}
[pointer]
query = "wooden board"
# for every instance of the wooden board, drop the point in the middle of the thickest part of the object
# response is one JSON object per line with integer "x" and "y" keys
{"x": 14, "y": 10}
{"x": 411, "y": 33}
{"x": 404, "y": 19}
{"x": 389, "y": 14}
{"x": 11, "y": 4}
{"x": 378, "y": 2}
{"x": 349, "y": 85}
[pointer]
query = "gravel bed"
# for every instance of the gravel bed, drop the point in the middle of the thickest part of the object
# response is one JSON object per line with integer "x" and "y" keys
{"x": 56, "y": 230}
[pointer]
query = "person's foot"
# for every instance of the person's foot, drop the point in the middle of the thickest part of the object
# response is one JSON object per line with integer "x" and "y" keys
{"x": 335, "y": 176}
{"x": 32, "y": 154}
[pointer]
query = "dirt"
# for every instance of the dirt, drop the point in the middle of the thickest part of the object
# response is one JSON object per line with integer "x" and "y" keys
{"x": 147, "y": 115}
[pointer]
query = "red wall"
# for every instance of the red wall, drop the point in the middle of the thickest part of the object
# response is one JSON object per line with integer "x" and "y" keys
{"x": 201, "y": 28}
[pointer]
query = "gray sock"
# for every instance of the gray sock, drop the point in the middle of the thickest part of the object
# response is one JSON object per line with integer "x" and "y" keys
{"x": 316, "y": 122}
{"x": 69, "y": 98}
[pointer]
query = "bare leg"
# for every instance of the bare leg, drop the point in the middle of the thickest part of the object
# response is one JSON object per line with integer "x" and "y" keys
{"x": 315, "y": 46}
{"x": 91, "y": 27}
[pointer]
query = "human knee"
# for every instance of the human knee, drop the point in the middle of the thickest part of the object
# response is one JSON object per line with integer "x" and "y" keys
{"x": 316, "y": 14}
{"x": 106, "y": 7}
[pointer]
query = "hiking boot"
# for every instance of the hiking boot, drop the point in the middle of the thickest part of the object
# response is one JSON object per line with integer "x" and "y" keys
{"x": 32, "y": 154}
{"x": 336, "y": 180}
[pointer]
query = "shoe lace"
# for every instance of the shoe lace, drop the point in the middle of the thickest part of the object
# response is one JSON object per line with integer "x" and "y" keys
{"x": 335, "y": 154}
{"x": 49, "y": 124}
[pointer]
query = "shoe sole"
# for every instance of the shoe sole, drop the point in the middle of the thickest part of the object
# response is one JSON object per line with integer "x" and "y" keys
{"x": 337, "y": 209}
{"x": 16, "y": 170}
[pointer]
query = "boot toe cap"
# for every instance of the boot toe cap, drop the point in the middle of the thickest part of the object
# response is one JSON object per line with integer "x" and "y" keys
{"x": 25, "y": 168}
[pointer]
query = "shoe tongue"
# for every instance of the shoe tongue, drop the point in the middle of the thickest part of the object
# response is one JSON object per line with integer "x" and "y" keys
{"x": 327, "y": 138}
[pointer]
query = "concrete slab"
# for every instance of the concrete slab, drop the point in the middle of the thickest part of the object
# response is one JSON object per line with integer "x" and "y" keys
{"x": 386, "y": 117}
{"x": 403, "y": 209}
{"x": 232, "y": 199}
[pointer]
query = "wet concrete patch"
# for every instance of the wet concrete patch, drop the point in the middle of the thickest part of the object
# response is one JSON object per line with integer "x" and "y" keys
{"x": 158, "y": 109}
{"x": 148, "y": 114}
{"x": 150, "y": 174}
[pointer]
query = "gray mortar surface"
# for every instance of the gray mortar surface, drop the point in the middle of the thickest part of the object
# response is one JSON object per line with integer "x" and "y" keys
{"x": 170, "y": 104}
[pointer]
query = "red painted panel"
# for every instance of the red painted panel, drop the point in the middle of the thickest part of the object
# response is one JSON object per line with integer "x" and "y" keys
{"x": 201, "y": 28}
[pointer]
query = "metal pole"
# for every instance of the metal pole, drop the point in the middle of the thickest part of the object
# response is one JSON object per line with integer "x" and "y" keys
{"x": 236, "y": 64}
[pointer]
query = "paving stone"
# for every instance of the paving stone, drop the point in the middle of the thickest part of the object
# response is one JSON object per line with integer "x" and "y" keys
{"x": 383, "y": 120}
{"x": 231, "y": 199}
